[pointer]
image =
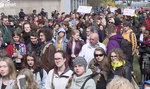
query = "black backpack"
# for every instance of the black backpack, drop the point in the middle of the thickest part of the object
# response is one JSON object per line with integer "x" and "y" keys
{"x": 100, "y": 84}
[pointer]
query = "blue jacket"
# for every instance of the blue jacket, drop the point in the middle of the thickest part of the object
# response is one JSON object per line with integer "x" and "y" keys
{"x": 41, "y": 82}
{"x": 113, "y": 42}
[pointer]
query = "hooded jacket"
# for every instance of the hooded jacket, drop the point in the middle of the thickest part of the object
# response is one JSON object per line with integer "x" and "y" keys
{"x": 64, "y": 42}
{"x": 78, "y": 81}
{"x": 55, "y": 81}
{"x": 113, "y": 42}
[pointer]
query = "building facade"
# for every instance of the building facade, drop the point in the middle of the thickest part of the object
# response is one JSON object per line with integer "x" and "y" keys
{"x": 12, "y": 7}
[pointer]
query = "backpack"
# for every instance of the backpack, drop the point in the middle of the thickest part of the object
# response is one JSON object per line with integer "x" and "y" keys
{"x": 126, "y": 46}
{"x": 41, "y": 74}
{"x": 146, "y": 64}
{"x": 100, "y": 84}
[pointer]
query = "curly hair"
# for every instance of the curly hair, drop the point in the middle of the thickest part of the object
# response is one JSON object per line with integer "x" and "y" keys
{"x": 121, "y": 56}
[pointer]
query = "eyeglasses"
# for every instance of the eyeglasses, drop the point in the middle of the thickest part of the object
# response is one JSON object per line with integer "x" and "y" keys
{"x": 113, "y": 56}
{"x": 96, "y": 55}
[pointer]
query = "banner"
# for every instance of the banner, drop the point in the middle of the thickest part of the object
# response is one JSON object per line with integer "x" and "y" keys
{"x": 84, "y": 9}
{"x": 129, "y": 12}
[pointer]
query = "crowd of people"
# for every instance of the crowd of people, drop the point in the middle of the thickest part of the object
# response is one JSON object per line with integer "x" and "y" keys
{"x": 74, "y": 51}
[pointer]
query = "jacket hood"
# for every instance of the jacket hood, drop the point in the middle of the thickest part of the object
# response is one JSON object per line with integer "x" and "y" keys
{"x": 80, "y": 79}
{"x": 116, "y": 37}
{"x": 61, "y": 30}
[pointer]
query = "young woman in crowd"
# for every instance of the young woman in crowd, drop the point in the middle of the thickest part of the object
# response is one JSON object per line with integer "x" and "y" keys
{"x": 7, "y": 73}
{"x": 17, "y": 50}
{"x": 61, "y": 40}
{"x": 81, "y": 78}
{"x": 58, "y": 77}
{"x": 100, "y": 67}
{"x": 74, "y": 46}
{"x": 40, "y": 74}
{"x": 29, "y": 81}
{"x": 47, "y": 50}
{"x": 119, "y": 65}
{"x": 26, "y": 32}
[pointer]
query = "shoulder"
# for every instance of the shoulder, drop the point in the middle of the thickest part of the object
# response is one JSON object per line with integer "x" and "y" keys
{"x": 90, "y": 84}
{"x": 51, "y": 72}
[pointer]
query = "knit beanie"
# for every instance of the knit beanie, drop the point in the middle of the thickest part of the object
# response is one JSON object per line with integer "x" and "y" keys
{"x": 80, "y": 61}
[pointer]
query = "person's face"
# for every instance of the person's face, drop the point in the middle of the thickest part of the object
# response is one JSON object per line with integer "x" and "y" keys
{"x": 30, "y": 61}
{"x": 33, "y": 39}
{"x": 42, "y": 37}
{"x": 5, "y": 21}
{"x": 114, "y": 57}
{"x": 79, "y": 69}
{"x": 4, "y": 69}
{"x": 142, "y": 29}
{"x": 93, "y": 40}
{"x": 99, "y": 56}
{"x": 146, "y": 34}
{"x": 88, "y": 31}
{"x": 61, "y": 34}
{"x": 27, "y": 28}
{"x": 76, "y": 36}
{"x": 101, "y": 27}
{"x": 16, "y": 38}
{"x": 56, "y": 26}
{"x": 125, "y": 28}
{"x": 59, "y": 60}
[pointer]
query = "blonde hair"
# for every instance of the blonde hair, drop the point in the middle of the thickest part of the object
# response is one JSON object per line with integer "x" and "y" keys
{"x": 11, "y": 67}
{"x": 30, "y": 80}
{"x": 119, "y": 83}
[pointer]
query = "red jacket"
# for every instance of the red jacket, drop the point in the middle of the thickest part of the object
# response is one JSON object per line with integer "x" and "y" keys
{"x": 147, "y": 23}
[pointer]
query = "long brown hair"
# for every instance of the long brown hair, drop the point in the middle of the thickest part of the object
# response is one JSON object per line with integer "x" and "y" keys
{"x": 30, "y": 80}
{"x": 37, "y": 66}
{"x": 121, "y": 56}
{"x": 11, "y": 67}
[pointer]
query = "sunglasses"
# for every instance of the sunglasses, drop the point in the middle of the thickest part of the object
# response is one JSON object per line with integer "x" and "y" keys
{"x": 96, "y": 55}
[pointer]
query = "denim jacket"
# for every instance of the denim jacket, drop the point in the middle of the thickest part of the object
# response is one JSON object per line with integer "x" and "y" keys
{"x": 41, "y": 82}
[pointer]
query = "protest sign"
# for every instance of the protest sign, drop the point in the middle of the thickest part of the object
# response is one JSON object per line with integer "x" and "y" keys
{"x": 129, "y": 12}
{"x": 84, "y": 9}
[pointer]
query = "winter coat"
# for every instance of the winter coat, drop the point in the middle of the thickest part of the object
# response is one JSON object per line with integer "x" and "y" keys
{"x": 55, "y": 81}
{"x": 78, "y": 46}
{"x": 6, "y": 34}
{"x": 124, "y": 71}
{"x": 34, "y": 48}
{"x": 113, "y": 42}
{"x": 78, "y": 81}
{"x": 99, "y": 67}
{"x": 64, "y": 42}
{"x": 47, "y": 56}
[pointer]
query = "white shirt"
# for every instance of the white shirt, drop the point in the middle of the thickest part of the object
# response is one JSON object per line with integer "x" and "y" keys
{"x": 87, "y": 51}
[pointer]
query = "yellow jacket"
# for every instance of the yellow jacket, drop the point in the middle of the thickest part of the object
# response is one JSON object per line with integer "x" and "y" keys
{"x": 133, "y": 39}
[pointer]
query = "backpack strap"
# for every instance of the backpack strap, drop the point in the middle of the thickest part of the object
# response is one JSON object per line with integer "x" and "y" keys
{"x": 85, "y": 82}
{"x": 41, "y": 74}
